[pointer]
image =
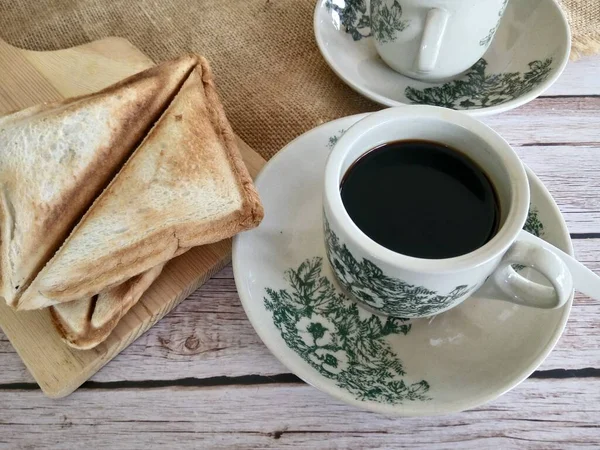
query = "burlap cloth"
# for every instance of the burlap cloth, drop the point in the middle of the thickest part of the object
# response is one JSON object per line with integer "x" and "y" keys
{"x": 273, "y": 81}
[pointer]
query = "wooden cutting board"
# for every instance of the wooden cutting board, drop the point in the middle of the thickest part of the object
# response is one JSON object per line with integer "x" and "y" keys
{"x": 28, "y": 78}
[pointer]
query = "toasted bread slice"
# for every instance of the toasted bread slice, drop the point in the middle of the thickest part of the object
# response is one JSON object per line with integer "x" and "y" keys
{"x": 56, "y": 158}
{"x": 84, "y": 324}
{"x": 186, "y": 185}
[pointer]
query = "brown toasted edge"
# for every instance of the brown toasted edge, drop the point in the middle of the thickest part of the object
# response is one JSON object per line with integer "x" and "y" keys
{"x": 155, "y": 253}
{"x": 93, "y": 337}
{"x": 247, "y": 217}
{"x": 66, "y": 333}
{"x": 252, "y": 211}
{"x": 148, "y": 73}
{"x": 5, "y": 216}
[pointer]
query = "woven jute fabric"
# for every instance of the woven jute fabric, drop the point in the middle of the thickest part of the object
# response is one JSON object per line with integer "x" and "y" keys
{"x": 272, "y": 79}
{"x": 584, "y": 18}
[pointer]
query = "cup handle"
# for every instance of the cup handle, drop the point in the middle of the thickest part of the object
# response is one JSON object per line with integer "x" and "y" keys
{"x": 507, "y": 284}
{"x": 431, "y": 41}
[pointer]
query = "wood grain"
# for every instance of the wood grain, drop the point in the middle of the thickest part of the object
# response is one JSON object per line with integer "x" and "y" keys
{"x": 571, "y": 174}
{"x": 209, "y": 336}
{"x": 297, "y": 416}
{"x": 210, "y": 363}
{"x": 33, "y": 77}
{"x": 570, "y": 121}
{"x": 579, "y": 78}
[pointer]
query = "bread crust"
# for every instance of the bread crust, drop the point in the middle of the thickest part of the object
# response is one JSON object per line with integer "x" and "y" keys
{"x": 252, "y": 211}
{"x": 121, "y": 298}
{"x": 160, "y": 246}
{"x": 52, "y": 222}
{"x": 86, "y": 330}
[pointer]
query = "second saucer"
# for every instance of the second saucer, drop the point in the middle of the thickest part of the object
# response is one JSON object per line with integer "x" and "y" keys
{"x": 528, "y": 53}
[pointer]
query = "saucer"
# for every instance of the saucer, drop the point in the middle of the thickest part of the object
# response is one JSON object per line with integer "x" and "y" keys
{"x": 454, "y": 361}
{"x": 527, "y": 55}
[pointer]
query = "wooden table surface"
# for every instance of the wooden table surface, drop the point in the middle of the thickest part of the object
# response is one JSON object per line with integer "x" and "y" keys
{"x": 201, "y": 378}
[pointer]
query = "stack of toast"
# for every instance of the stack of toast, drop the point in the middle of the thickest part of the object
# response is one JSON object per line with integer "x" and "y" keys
{"x": 98, "y": 193}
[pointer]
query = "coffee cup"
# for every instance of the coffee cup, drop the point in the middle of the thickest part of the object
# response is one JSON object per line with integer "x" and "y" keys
{"x": 388, "y": 282}
{"x": 433, "y": 40}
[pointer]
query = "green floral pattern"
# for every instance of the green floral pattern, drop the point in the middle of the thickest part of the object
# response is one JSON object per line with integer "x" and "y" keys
{"x": 476, "y": 89}
{"x": 339, "y": 340}
{"x": 533, "y": 225}
{"x": 392, "y": 296}
{"x": 386, "y": 20}
{"x": 333, "y": 139}
{"x": 356, "y": 21}
{"x": 488, "y": 38}
{"x": 353, "y": 17}
{"x": 344, "y": 344}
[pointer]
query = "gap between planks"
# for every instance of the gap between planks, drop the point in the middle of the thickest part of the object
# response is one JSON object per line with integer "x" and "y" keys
{"x": 547, "y": 413}
{"x": 255, "y": 380}
{"x": 208, "y": 336}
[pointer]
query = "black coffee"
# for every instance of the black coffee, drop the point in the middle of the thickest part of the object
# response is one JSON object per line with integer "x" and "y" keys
{"x": 421, "y": 199}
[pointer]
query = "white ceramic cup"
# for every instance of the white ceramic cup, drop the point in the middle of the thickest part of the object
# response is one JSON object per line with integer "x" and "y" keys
{"x": 433, "y": 40}
{"x": 393, "y": 284}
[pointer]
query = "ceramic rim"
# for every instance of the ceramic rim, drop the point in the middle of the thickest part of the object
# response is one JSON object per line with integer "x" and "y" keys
{"x": 486, "y": 111}
{"x": 285, "y": 355}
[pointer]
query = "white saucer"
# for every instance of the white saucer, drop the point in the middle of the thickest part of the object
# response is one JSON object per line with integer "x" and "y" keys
{"x": 451, "y": 362}
{"x": 529, "y": 52}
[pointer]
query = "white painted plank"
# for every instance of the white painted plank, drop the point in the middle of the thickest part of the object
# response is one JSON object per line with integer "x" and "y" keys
{"x": 580, "y": 77}
{"x": 572, "y": 175}
{"x": 228, "y": 345}
{"x": 549, "y": 414}
{"x": 208, "y": 335}
{"x": 550, "y": 120}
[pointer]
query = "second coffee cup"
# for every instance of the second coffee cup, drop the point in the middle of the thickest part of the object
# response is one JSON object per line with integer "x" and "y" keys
{"x": 433, "y": 40}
